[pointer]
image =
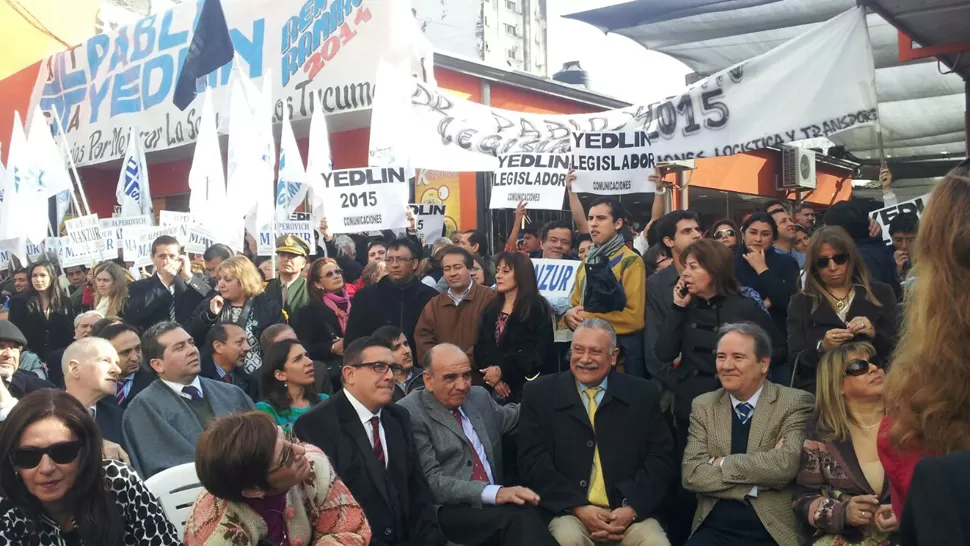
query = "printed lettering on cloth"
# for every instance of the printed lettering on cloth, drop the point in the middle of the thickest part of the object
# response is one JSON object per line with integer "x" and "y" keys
{"x": 885, "y": 215}
{"x": 815, "y": 85}
{"x": 319, "y": 55}
{"x": 358, "y": 200}
{"x": 537, "y": 179}
{"x": 429, "y": 221}
{"x": 613, "y": 163}
{"x": 556, "y": 277}
{"x": 86, "y": 240}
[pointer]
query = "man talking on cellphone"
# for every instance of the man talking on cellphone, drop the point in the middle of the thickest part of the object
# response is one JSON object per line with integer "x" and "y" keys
{"x": 171, "y": 294}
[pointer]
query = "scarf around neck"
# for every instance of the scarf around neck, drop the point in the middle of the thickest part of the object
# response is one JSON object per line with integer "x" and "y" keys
{"x": 599, "y": 253}
{"x": 339, "y": 303}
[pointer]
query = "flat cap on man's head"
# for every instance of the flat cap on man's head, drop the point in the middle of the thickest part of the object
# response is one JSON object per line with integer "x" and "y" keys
{"x": 10, "y": 332}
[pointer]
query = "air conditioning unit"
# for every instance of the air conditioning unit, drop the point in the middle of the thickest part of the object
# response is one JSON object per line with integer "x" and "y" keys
{"x": 797, "y": 169}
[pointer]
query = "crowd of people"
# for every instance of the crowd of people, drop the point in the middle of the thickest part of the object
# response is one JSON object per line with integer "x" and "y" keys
{"x": 787, "y": 379}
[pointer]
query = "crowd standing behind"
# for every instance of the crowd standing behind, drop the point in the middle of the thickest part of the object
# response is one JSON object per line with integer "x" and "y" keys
{"x": 762, "y": 385}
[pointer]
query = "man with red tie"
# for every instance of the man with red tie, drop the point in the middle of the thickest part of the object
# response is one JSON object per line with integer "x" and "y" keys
{"x": 369, "y": 442}
{"x": 458, "y": 432}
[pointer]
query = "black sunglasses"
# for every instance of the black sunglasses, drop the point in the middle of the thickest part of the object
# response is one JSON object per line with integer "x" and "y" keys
{"x": 60, "y": 453}
{"x": 720, "y": 234}
{"x": 860, "y": 367}
{"x": 839, "y": 259}
{"x": 380, "y": 367}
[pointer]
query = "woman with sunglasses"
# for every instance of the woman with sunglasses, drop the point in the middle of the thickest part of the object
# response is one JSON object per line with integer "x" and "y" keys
{"x": 57, "y": 490}
{"x": 287, "y": 387}
{"x": 322, "y": 321}
{"x": 725, "y": 232}
{"x": 263, "y": 487}
{"x": 43, "y": 312}
{"x": 839, "y": 304}
{"x": 842, "y": 492}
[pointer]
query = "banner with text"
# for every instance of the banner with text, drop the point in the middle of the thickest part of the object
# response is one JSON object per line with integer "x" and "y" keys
{"x": 112, "y": 231}
{"x": 885, "y": 215}
{"x": 556, "y": 277}
{"x": 86, "y": 241}
{"x": 138, "y": 242}
{"x": 356, "y": 200}
{"x": 613, "y": 163}
{"x": 826, "y": 73}
{"x": 320, "y": 55}
{"x": 429, "y": 221}
{"x": 266, "y": 246}
{"x": 537, "y": 179}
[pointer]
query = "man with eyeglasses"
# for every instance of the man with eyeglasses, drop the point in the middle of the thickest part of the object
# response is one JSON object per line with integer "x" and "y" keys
{"x": 371, "y": 446}
{"x": 289, "y": 286}
{"x": 397, "y": 299}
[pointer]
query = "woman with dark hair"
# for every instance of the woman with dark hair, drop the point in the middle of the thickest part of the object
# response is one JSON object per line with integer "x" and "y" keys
{"x": 57, "y": 490}
{"x": 43, "y": 312}
{"x": 287, "y": 386}
{"x": 262, "y": 487}
{"x": 706, "y": 297}
{"x": 839, "y": 304}
{"x": 323, "y": 320}
{"x": 757, "y": 265}
{"x": 515, "y": 338}
{"x": 725, "y": 231}
{"x": 478, "y": 270}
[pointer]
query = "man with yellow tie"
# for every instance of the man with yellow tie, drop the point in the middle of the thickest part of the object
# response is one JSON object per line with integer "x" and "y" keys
{"x": 594, "y": 446}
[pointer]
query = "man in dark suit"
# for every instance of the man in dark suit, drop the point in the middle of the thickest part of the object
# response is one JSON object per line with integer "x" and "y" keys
{"x": 370, "y": 444}
{"x": 226, "y": 348}
{"x": 595, "y": 447}
{"x": 91, "y": 372}
{"x": 458, "y": 432}
{"x": 135, "y": 375}
{"x": 289, "y": 286}
{"x": 171, "y": 294}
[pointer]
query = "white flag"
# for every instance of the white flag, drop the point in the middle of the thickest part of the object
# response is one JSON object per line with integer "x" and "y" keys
{"x": 252, "y": 152}
{"x": 133, "y": 192}
{"x": 319, "y": 159}
{"x": 62, "y": 202}
{"x": 207, "y": 183}
{"x": 291, "y": 186}
{"x": 50, "y": 173}
{"x": 24, "y": 212}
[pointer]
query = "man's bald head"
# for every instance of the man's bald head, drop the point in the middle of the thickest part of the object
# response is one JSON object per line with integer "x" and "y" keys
{"x": 91, "y": 369}
{"x": 448, "y": 375}
{"x": 84, "y": 350}
{"x": 442, "y": 351}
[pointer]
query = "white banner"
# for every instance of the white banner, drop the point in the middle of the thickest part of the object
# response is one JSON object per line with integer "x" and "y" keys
{"x": 195, "y": 237}
{"x": 429, "y": 221}
{"x": 111, "y": 231}
{"x": 35, "y": 251}
{"x": 556, "y": 277}
{"x": 816, "y": 85}
{"x": 86, "y": 241}
{"x": 266, "y": 245}
{"x": 320, "y": 54}
{"x": 885, "y": 215}
{"x": 612, "y": 163}
{"x": 138, "y": 242}
{"x": 358, "y": 200}
{"x": 537, "y": 179}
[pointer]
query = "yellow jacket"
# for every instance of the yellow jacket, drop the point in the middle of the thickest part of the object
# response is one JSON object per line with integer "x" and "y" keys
{"x": 633, "y": 276}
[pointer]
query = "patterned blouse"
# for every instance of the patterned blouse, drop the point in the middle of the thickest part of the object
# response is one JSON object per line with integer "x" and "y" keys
{"x": 144, "y": 520}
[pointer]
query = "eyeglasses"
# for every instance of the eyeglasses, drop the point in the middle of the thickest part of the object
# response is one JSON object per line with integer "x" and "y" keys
{"x": 398, "y": 260}
{"x": 286, "y": 455}
{"x": 839, "y": 259}
{"x": 860, "y": 367}
{"x": 334, "y": 273}
{"x": 380, "y": 367}
{"x": 720, "y": 234}
{"x": 60, "y": 453}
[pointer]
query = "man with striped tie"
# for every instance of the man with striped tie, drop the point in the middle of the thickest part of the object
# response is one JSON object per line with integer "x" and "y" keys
{"x": 595, "y": 447}
{"x": 744, "y": 445}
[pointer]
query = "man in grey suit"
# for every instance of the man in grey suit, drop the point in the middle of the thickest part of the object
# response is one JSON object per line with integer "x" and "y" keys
{"x": 458, "y": 436}
{"x": 164, "y": 422}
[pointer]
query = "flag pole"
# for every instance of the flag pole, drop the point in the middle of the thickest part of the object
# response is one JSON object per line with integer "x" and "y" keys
{"x": 70, "y": 160}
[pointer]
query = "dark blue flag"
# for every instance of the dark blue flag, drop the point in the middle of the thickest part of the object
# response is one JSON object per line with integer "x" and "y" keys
{"x": 210, "y": 49}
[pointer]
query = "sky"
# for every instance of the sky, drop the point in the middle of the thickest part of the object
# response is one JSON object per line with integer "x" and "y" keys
{"x": 616, "y": 65}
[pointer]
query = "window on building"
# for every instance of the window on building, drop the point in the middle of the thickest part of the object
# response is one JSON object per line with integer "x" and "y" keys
{"x": 511, "y": 54}
{"x": 510, "y": 29}
{"x": 511, "y": 5}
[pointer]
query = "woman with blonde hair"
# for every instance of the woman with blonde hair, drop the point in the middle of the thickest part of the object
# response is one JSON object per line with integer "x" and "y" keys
{"x": 839, "y": 304}
{"x": 239, "y": 299}
{"x": 841, "y": 489}
{"x": 928, "y": 387}
{"x": 111, "y": 289}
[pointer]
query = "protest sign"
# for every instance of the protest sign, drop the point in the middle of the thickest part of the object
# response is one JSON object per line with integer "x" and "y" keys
{"x": 138, "y": 242}
{"x": 828, "y": 72}
{"x": 613, "y": 163}
{"x": 556, "y": 278}
{"x": 537, "y": 179}
{"x": 111, "y": 230}
{"x": 266, "y": 245}
{"x": 35, "y": 251}
{"x": 86, "y": 241}
{"x": 429, "y": 221}
{"x": 358, "y": 200}
{"x": 317, "y": 54}
{"x": 885, "y": 215}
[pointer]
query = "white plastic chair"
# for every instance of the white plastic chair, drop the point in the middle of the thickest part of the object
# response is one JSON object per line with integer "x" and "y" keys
{"x": 176, "y": 489}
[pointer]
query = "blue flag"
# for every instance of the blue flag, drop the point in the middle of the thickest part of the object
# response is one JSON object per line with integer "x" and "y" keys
{"x": 211, "y": 48}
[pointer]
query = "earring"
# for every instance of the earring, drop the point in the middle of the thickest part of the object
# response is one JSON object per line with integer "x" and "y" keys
{"x": 284, "y": 384}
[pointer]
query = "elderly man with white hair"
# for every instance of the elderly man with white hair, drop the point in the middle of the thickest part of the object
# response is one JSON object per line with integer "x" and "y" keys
{"x": 83, "y": 324}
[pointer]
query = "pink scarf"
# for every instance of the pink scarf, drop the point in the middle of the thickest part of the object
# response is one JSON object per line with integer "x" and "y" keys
{"x": 340, "y": 305}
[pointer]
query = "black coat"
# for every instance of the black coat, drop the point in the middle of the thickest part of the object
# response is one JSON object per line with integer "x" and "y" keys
{"x": 240, "y": 378}
{"x": 524, "y": 349}
{"x": 149, "y": 301}
{"x": 778, "y": 284}
{"x": 806, "y": 328}
{"x": 660, "y": 299}
{"x": 387, "y": 303}
{"x": 144, "y": 377}
{"x": 334, "y": 427}
{"x": 23, "y": 383}
{"x": 692, "y": 333}
{"x": 108, "y": 416}
{"x": 882, "y": 266}
{"x": 556, "y": 444}
{"x": 938, "y": 503}
{"x": 44, "y": 334}
{"x": 317, "y": 329}
{"x": 266, "y": 311}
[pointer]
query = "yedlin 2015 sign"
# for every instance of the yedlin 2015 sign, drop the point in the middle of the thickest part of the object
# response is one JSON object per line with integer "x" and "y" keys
{"x": 127, "y": 77}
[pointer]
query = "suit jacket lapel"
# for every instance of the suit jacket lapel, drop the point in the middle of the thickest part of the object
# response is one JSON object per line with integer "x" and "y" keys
{"x": 353, "y": 426}
{"x": 442, "y": 415}
{"x": 567, "y": 399}
{"x": 723, "y": 419}
{"x": 482, "y": 431}
{"x": 762, "y": 416}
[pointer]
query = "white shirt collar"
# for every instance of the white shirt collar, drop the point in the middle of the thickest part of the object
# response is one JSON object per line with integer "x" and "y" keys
{"x": 363, "y": 413}
{"x": 753, "y": 400}
{"x": 177, "y": 387}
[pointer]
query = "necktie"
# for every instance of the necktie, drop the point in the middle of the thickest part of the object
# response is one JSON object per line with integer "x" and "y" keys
{"x": 193, "y": 392}
{"x": 597, "y": 485}
{"x": 120, "y": 391}
{"x": 171, "y": 309}
{"x": 227, "y": 378}
{"x": 744, "y": 411}
{"x": 478, "y": 469}
{"x": 375, "y": 423}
